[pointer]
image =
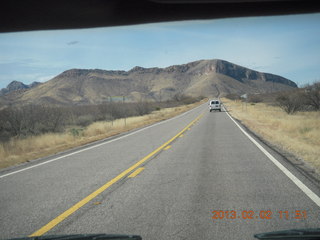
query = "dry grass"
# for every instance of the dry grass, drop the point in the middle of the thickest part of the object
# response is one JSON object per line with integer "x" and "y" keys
{"x": 22, "y": 150}
{"x": 298, "y": 133}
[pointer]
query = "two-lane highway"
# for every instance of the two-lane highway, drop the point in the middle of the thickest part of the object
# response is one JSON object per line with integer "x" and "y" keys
{"x": 167, "y": 181}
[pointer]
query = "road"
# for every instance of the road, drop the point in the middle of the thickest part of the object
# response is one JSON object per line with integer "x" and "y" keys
{"x": 161, "y": 182}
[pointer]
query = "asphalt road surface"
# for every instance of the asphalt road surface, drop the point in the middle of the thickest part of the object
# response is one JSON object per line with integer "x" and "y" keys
{"x": 168, "y": 181}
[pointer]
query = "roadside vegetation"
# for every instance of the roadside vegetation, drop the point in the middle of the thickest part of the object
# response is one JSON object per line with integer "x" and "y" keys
{"x": 290, "y": 120}
{"x": 33, "y": 131}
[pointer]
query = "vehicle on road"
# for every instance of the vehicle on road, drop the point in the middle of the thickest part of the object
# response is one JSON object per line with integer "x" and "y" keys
{"x": 215, "y": 105}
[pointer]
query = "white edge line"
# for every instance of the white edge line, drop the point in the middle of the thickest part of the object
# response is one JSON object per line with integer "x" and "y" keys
{"x": 98, "y": 145}
{"x": 314, "y": 197}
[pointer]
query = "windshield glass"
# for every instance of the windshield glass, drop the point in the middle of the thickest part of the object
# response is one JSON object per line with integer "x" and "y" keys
{"x": 108, "y": 130}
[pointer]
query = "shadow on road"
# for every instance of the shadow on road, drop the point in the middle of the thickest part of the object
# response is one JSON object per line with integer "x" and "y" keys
{"x": 223, "y": 110}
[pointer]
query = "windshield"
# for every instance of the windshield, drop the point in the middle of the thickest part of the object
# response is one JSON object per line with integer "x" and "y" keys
{"x": 108, "y": 130}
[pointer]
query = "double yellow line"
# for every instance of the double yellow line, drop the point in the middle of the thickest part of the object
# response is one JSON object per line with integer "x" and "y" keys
{"x": 91, "y": 196}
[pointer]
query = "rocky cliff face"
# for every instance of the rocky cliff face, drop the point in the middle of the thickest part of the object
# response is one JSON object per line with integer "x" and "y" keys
{"x": 242, "y": 74}
{"x": 211, "y": 78}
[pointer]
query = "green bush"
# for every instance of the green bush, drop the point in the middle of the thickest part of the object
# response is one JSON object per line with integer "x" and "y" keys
{"x": 85, "y": 120}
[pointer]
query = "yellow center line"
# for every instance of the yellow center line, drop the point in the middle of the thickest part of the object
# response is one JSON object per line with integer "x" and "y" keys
{"x": 181, "y": 135}
{"x": 94, "y": 194}
{"x": 136, "y": 172}
{"x": 167, "y": 147}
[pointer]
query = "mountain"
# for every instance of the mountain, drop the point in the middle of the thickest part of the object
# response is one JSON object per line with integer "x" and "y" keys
{"x": 16, "y": 85}
{"x": 211, "y": 78}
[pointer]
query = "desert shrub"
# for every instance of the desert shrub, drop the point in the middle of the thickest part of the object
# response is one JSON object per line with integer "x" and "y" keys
{"x": 187, "y": 99}
{"x": 38, "y": 119}
{"x": 142, "y": 108}
{"x": 31, "y": 120}
{"x": 233, "y": 96}
{"x": 119, "y": 110}
{"x": 291, "y": 102}
{"x": 312, "y": 95}
{"x": 85, "y": 120}
{"x": 178, "y": 96}
{"x": 76, "y": 132}
{"x": 254, "y": 98}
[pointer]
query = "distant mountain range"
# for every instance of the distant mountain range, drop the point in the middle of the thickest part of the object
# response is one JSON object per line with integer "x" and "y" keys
{"x": 16, "y": 85}
{"x": 210, "y": 78}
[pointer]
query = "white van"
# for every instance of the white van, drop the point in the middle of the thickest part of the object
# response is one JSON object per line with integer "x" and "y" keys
{"x": 214, "y": 105}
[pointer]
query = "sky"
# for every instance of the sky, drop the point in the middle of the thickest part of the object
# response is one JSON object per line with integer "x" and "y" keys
{"x": 288, "y": 46}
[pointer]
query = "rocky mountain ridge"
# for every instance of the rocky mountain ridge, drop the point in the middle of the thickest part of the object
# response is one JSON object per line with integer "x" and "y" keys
{"x": 16, "y": 85}
{"x": 210, "y": 78}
